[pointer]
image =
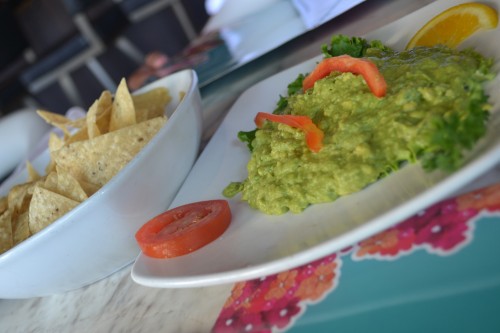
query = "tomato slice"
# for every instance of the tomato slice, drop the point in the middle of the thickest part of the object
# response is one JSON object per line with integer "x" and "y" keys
{"x": 184, "y": 229}
{"x": 314, "y": 135}
{"x": 346, "y": 63}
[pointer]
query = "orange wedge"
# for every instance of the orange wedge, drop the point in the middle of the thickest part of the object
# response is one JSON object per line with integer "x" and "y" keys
{"x": 455, "y": 24}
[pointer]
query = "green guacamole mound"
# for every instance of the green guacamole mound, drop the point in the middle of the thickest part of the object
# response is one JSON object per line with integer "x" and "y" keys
{"x": 434, "y": 109}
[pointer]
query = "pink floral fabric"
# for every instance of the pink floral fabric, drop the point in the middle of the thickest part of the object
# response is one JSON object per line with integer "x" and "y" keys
{"x": 273, "y": 303}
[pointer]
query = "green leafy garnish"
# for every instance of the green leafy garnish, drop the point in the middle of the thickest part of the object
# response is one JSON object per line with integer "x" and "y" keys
{"x": 296, "y": 85}
{"x": 354, "y": 46}
{"x": 293, "y": 88}
{"x": 247, "y": 137}
{"x": 454, "y": 135}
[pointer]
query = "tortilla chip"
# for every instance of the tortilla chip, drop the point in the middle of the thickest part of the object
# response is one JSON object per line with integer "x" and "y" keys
{"x": 56, "y": 120}
{"x": 66, "y": 125}
{"x": 100, "y": 110}
{"x": 61, "y": 182}
{"x": 17, "y": 194}
{"x": 69, "y": 187}
{"x": 19, "y": 198}
{"x": 96, "y": 161}
{"x": 46, "y": 207}
{"x": 81, "y": 135}
{"x": 32, "y": 173}
{"x": 6, "y": 237}
{"x": 82, "y": 189}
{"x": 51, "y": 181}
{"x": 92, "y": 129}
{"x": 77, "y": 123}
{"x": 103, "y": 121}
{"x": 20, "y": 228}
{"x": 151, "y": 104}
{"x": 89, "y": 188}
{"x": 55, "y": 142}
{"x": 122, "y": 111}
{"x": 51, "y": 166}
{"x": 4, "y": 204}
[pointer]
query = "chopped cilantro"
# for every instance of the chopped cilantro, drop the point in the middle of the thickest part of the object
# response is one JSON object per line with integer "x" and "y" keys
{"x": 354, "y": 46}
{"x": 247, "y": 137}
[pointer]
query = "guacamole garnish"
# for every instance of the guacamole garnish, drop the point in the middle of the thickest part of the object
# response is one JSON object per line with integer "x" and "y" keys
{"x": 435, "y": 109}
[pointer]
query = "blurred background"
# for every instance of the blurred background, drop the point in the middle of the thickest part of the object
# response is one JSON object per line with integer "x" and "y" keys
{"x": 56, "y": 54}
{"x": 59, "y": 53}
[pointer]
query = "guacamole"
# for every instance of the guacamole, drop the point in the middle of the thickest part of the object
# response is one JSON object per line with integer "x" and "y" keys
{"x": 435, "y": 108}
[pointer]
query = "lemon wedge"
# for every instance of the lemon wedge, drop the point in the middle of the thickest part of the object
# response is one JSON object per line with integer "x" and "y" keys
{"x": 455, "y": 24}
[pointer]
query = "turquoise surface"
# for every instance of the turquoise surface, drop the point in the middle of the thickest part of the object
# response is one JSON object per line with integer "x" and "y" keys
{"x": 417, "y": 292}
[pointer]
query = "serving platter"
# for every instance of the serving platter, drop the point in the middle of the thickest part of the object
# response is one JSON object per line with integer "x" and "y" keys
{"x": 255, "y": 244}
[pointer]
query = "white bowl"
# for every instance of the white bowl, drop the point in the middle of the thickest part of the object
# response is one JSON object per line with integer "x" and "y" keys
{"x": 96, "y": 238}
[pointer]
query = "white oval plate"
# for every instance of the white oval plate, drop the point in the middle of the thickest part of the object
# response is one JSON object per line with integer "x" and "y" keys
{"x": 256, "y": 244}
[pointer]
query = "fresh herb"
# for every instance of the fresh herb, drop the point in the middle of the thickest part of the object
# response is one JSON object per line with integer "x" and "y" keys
{"x": 354, "y": 46}
{"x": 247, "y": 137}
{"x": 453, "y": 135}
{"x": 293, "y": 88}
{"x": 296, "y": 85}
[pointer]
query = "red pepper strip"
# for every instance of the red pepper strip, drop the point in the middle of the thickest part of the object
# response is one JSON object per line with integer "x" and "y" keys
{"x": 314, "y": 136}
{"x": 345, "y": 63}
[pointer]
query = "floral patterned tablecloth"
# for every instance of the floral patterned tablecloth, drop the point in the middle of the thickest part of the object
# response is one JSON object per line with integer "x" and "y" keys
{"x": 426, "y": 249}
